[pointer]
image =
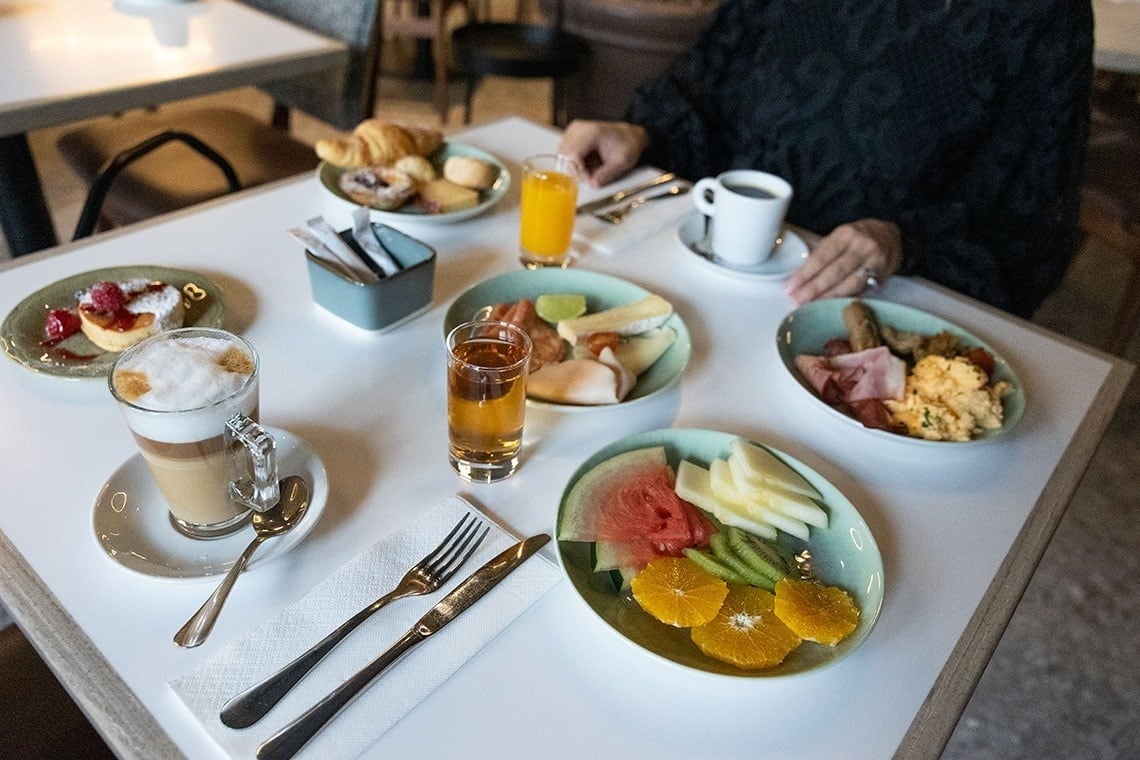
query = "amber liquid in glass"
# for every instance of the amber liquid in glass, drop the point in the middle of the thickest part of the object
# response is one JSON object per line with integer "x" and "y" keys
{"x": 486, "y": 404}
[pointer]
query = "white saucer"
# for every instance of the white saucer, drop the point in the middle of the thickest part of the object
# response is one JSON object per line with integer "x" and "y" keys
{"x": 132, "y": 526}
{"x": 787, "y": 257}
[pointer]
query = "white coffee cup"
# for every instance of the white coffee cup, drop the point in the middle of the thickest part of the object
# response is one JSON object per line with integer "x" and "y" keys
{"x": 748, "y": 210}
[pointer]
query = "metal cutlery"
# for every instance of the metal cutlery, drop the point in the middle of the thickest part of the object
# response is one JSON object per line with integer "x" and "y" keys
{"x": 289, "y": 740}
{"x": 424, "y": 577}
{"x": 621, "y": 213}
{"x": 616, "y": 198}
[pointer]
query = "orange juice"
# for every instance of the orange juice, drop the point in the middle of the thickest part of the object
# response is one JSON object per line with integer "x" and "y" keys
{"x": 549, "y": 196}
{"x": 486, "y": 398}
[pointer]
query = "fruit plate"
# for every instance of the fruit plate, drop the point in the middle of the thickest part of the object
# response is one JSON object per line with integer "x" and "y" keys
{"x": 602, "y": 292}
{"x": 844, "y": 554}
{"x": 807, "y": 329}
{"x": 22, "y": 333}
{"x": 329, "y": 177}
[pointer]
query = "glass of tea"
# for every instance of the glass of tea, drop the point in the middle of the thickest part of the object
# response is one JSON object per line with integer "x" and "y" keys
{"x": 486, "y": 399}
{"x": 546, "y": 219}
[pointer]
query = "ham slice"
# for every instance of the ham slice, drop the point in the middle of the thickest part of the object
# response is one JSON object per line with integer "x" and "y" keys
{"x": 874, "y": 373}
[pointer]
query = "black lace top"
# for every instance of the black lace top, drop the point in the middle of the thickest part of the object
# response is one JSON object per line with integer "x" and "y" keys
{"x": 964, "y": 121}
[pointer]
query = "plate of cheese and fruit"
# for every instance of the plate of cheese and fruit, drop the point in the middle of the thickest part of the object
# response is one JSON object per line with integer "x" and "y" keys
{"x": 900, "y": 373}
{"x": 77, "y": 326}
{"x": 623, "y": 344}
{"x": 719, "y": 554}
{"x": 408, "y": 173}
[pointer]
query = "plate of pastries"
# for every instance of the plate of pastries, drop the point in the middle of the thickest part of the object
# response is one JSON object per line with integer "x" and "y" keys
{"x": 407, "y": 172}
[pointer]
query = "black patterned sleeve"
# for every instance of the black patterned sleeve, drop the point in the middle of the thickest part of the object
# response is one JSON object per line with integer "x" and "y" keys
{"x": 1007, "y": 227}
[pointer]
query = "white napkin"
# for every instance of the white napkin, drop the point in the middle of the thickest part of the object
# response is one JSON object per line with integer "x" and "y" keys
{"x": 355, "y": 585}
{"x": 643, "y": 222}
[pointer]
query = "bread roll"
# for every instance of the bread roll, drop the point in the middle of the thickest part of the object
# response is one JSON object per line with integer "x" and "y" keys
{"x": 470, "y": 172}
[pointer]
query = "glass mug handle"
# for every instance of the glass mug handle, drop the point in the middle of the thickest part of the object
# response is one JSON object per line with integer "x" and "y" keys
{"x": 255, "y": 485}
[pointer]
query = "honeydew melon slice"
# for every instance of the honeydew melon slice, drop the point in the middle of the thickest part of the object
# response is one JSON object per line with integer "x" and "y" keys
{"x": 638, "y": 353}
{"x": 776, "y": 497}
{"x": 724, "y": 487}
{"x": 762, "y": 466}
{"x": 694, "y": 486}
{"x": 628, "y": 319}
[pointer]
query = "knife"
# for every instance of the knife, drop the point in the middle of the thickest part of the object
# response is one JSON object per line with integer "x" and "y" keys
{"x": 621, "y": 195}
{"x": 289, "y": 740}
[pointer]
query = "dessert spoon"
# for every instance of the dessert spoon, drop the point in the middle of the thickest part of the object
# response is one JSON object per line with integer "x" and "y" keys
{"x": 275, "y": 521}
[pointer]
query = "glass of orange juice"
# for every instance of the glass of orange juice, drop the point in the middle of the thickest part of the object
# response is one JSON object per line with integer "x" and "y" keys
{"x": 549, "y": 197}
{"x": 486, "y": 398}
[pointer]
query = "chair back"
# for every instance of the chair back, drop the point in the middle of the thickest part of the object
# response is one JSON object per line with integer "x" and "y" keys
{"x": 342, "y": 97}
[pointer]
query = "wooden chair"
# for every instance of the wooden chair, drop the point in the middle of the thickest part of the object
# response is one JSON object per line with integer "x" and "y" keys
{"x": 520, "y": 50}
{"x": 427, "y": 20}
{"x": 1110, "y": 203}
{"x": 174, "y": 174}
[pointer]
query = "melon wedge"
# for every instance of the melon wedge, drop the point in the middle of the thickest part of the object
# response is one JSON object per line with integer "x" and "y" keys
{"x": 725, "y": 488}
{"x": 776, "y": 497}
{"x": 629, "y": 319}
{"x": 586, "y": 498}
{"x": 694, "y": 485}
{"x": 763, "y": 467}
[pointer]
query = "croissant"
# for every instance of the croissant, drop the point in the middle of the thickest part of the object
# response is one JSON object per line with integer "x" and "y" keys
{"x": 378, "y": 143}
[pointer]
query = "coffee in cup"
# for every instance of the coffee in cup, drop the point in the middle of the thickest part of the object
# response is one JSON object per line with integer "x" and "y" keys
{"x": 190, "y": 399}
{"x": 747, "y": 209}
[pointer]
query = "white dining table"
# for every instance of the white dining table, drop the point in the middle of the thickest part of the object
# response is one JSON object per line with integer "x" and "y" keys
{"x": 961, "y": 528}
{"x": 1117, "y": 35}
{"x": 66, "y": 60}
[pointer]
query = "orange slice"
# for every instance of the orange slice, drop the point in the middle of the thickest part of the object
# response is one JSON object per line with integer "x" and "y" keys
{"x": 746, "y": 631}
{"x": 824, "y": 614}
{"x": 678, "y": 591}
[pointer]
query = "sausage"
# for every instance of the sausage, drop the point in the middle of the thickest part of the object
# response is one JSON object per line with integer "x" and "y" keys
{"x": 862, "y": 326}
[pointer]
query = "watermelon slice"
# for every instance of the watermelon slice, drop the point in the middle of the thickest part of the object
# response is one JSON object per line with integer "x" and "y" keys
{"x": 629, "y": 505}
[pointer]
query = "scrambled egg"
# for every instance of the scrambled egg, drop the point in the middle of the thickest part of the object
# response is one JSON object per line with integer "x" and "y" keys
{"x": 948, "y": 400}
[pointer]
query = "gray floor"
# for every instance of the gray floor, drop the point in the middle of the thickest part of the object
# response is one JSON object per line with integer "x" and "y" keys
{"x": 1065, "y": 680}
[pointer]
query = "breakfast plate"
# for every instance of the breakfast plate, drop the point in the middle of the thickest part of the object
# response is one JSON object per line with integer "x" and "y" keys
{"x": 791, "y": 250}
{"x": 843, "y": 554}
{"x": 22, "y": 333}
{"x": 329, "y": 176}
{"x": 602, "y": 292}
{"x": 132, "y": 525}
{"x": 808, "y": 328}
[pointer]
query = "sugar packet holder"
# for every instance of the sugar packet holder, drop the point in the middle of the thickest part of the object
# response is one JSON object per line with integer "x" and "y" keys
{"x": 356, "y": 288}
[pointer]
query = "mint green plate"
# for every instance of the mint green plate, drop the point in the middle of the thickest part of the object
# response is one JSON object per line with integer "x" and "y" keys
{"x": 602, "y": 292}
{"x": 22, "y": 333}
{"x": 844, "y": 554}
{"x": 807, "y": 329}
{"x": 329, "y": 177}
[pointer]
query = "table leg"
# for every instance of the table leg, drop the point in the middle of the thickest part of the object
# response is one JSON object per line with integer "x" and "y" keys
{"x": 24, "y": 214}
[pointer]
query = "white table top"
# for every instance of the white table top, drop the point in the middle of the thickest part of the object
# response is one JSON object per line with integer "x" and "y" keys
{"x": 72, "y": 59}
{"x": 557, "y": 683}
{"x": 1117, "y": 35}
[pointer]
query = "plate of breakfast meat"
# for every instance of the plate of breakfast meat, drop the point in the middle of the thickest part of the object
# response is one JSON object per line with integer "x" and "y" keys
{"x": 599, "y": 341}
{"x": 405, "y": 172}
{"x": 77, "y": 326}
{"x": 900, "y": 373}
{"x": 719, "y": 555}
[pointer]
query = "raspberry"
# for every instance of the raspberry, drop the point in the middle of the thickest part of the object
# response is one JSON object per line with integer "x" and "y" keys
{"x": 61, "y": 323}
{"x": 106, "y": 296}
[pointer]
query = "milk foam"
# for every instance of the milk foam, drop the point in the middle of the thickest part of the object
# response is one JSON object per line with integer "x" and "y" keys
{"x": 186, "y": 376}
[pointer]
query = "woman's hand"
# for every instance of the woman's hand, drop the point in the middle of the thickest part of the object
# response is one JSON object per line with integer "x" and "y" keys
{"x": 853, "y": 258}
{"x": 605, "y": 149}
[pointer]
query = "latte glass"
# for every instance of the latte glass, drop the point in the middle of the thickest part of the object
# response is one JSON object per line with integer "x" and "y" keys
{"x": 190, "y": 399}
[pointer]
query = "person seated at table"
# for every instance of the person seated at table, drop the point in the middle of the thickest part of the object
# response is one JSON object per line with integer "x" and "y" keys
{"x": 940, "y": 138}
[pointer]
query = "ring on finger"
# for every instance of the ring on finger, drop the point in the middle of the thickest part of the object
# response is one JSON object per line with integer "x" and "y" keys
{"x": 869, "y": 277}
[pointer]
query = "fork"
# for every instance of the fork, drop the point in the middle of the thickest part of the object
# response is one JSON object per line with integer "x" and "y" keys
{"x": 424, "y": 577}
{"x": 619, "y": 214}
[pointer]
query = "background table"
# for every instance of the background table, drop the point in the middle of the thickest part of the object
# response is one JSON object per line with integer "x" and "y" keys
{"x": 1117, "y": 35}
{"x": 66, "y": 60}
{"x": 960, "y": 530}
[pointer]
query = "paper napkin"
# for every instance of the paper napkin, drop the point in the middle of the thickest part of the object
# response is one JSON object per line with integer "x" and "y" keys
{"x": 355, "y": 585}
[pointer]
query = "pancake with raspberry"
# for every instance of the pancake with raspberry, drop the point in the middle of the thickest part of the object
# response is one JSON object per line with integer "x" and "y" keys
{"x": 116, "y": 315}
